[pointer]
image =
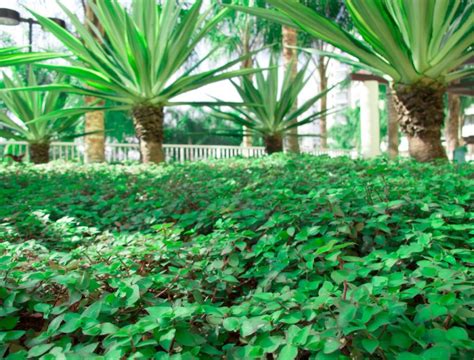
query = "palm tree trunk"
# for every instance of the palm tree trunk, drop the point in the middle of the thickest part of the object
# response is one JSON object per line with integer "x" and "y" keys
{"x": 290, "y": 40}
{"x": 420, "y": 109}
{"x": 453, "y": 123}
{"x": 392, "y": 125}
{"x": 323, "y": 85}
{"x": 94, "y": 121}
{"x": 39, "y": 152}
{"x": 273, "y": 143}
{"x": 148, "y": 122}
{"x": 94, "y": 143}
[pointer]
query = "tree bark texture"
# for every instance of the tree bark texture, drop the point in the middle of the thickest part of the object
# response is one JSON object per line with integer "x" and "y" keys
{"x": 39, "y": 152}
{"x": 94, "y": 121}
{"x": 148, "y": 122}
{"x": 273, "y": 143}
{"x": 393, "y": 138}
{"x": 420, "y": 110}
{"x": 94, "y": 142}
{"x": 453, "y": 124}
{"x": 323, "y": 85}
{"x": 290, "y": 40}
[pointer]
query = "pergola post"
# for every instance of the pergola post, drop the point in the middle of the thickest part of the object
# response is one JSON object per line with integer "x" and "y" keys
{"x": 369, "y": 119}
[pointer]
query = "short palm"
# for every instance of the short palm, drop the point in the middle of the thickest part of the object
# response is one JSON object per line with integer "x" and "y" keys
{"x": 37, "y": 118}
{"x": 269, "y": 105}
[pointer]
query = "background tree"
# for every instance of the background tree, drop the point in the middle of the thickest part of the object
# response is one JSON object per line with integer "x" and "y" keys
{"x": 196, "y": 126}
{"x": 290, "y": 57}
{"x": 335, "y": 10}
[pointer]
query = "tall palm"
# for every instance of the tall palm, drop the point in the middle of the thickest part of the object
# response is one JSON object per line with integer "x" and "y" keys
{"x": 270, "y": 106}
{"x": 37, "y": 118}
{"x": 421, "y": 45}
{"x": 139, "y": 61}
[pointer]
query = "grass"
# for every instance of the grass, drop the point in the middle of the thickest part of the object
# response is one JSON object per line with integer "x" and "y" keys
{"x": 280, "y": 257}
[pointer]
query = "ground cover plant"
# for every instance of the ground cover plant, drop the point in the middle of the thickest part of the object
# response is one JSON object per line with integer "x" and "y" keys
{"x": 275, "y": 258}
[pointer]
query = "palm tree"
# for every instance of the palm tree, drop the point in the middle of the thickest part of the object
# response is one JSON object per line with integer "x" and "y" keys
{"x": 139, "y": 61}
{"x": 421, "y": 45}
{"x": 268, "y": 109}
{"x": 38, "y": 118}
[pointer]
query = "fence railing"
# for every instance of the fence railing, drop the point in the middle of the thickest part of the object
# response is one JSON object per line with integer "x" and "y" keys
{"x": 115, "y": 152}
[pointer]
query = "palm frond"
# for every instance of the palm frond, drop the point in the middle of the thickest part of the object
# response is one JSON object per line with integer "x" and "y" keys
{"x": 140, "y": 56}
{"x": 405, "y": 40}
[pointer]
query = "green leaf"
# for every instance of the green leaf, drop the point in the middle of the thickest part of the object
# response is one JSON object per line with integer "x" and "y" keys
{"x": 331, "y": 345}
{"x": 457, "y": 333}
{"x": 8, "y": 323}
{"x": 39, "y": 350}
{"x": 231, "y": 324}
{"x": 408, "y": 356}
{"x": 292, "y": 318}
{"x": 370, "y": 345}
{"x": 71, "y": 325}
{"x": 251, "y": 326}
{"x": 167, "y": 339}
{"x": 13, "y": 335}
{"x": 288, "y": 352}
{"x": 268, "y": 343}
{"x": 430, "y": 312}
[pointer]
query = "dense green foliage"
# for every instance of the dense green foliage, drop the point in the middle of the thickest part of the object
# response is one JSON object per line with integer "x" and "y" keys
{"x": 337, "y": 259}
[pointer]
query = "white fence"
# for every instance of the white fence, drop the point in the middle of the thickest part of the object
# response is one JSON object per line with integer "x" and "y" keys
{"x": 115, "y": 152}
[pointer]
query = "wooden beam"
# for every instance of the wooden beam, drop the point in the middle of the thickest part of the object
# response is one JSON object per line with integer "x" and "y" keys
{"x": 368, "y": 77}
{"x": 463, "y": 92}
{"x": 462, "y": 88}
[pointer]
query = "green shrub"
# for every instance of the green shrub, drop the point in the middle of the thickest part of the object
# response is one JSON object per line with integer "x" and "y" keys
{"x": 281, "y": 257}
